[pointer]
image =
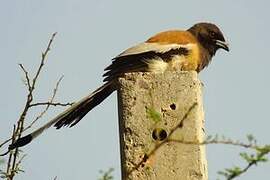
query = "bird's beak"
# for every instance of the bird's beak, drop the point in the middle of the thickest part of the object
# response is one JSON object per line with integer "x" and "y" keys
{"x": 222, "y": 44}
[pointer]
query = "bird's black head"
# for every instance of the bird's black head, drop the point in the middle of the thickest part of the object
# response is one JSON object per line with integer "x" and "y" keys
{"x": 210, "y": 37}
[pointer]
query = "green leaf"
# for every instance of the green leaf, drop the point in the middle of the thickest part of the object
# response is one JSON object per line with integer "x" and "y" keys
{"x": 153, "y": 114}
{"x": 265, "y": 149}
{"x": 246, "y": 157}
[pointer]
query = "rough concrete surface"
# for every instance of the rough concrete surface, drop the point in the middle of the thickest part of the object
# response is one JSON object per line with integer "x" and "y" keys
{"x": 151, "y": 111}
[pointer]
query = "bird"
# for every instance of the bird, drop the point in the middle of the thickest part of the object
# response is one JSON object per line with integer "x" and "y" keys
{"x": 171, "y": 50}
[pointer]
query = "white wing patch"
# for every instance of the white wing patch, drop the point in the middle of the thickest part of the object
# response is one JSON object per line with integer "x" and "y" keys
{"x": 157, "y": 65}
{"x": 146, "y": 47}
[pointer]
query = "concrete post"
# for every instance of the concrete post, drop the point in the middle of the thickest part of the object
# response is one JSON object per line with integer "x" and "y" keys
{"x": 161, "y": 122}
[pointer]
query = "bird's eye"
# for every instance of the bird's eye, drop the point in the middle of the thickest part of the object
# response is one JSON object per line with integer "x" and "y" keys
{"x": 212, "y": 34}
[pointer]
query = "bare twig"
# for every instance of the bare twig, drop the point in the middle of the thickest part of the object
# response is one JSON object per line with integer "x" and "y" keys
{"x": 13, "y": 162}
{"x": 216, "y": 141}
{"x": 43, "y": 58}
{"x": 50, "y": 104}
{"x": 47, "y": 104}
{"x": 26, "y": 77}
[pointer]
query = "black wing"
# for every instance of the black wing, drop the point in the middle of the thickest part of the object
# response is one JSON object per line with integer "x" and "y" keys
{"x": 138, "y": 62}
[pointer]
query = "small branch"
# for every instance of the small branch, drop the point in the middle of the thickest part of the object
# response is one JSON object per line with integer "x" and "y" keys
{"x": 47, "y": 105}
{"x": 251, "y": 159}
{"x": 242, "y": 171}
{"x": 26, "y": 77}
{"x": 13, "y": 164}
{"x": 216, "y": 141}
{"x": 50, "y": 104}
{"x": 43, "y": 57}
{"x": 31, "y": 87}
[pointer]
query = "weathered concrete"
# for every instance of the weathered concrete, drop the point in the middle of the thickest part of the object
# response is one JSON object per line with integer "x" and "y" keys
{"x": 151, "y": 111}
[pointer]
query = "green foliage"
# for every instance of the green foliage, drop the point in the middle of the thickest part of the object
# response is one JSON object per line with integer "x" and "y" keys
{"x": 106, "y": 175}
{"x": 251, "y": 159}
{"x": 230, "y": 173}
{"x": 153, "y": 114}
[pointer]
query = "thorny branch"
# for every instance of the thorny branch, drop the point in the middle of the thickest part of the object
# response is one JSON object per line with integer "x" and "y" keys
{"x": 14, "y": 161}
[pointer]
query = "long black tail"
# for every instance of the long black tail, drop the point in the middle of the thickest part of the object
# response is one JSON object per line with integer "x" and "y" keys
{"x": 72, "y": 115}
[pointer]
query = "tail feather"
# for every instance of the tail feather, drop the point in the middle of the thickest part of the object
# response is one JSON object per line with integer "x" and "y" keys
{"x": 78, "y": 112}
{"x": 21, "y": 142}
{"x": 72, "y": 115}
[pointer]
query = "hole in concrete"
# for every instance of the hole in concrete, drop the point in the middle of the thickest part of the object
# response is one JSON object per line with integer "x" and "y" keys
{"x": 173, "y": 106}
{"x": 159, "y": 134}
{"x": 162, "y": 135}
{"x": 154, "y": 135}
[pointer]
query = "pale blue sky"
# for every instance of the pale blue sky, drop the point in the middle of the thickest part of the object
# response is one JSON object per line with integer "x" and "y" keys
{"x": 90, "y": 33}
